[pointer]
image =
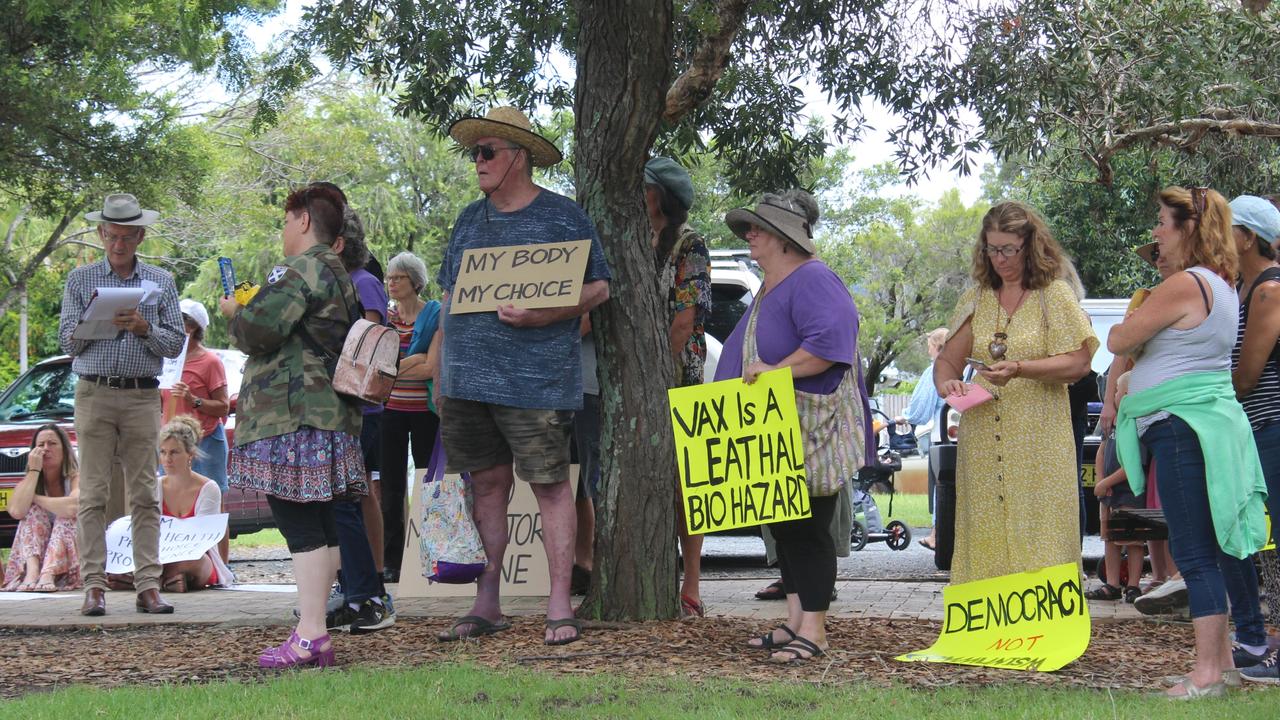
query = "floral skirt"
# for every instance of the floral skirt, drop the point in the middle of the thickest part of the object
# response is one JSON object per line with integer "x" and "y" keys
{"x": 306, "y": 465}
{"x": 51, "y": 540}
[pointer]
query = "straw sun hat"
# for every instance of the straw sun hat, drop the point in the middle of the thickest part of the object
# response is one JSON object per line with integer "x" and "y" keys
{"x": 780, "y": 217}
{"x": 509, "y": 124}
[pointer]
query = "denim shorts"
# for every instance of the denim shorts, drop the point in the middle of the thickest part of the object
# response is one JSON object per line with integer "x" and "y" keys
{"x": 479, "y": 435}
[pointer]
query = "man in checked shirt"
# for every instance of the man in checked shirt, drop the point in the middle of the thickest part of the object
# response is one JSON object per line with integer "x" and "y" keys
{"x": 118, "y": 400}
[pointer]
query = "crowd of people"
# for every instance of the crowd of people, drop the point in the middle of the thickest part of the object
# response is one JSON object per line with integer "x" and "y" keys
{"x": 1188, "y": 417}
{"x": 1189, "y": 409}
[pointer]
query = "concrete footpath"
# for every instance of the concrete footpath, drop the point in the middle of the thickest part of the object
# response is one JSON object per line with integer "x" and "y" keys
{"x": 259, "y": 605}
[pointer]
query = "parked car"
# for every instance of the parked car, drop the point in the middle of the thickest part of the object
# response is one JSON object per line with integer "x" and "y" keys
{"x": 47, "y": 392}
{"x": 1103, "y": 314}
{"x": 735, "y": 280}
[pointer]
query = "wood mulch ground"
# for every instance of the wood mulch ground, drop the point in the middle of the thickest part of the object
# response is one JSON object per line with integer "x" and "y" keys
{"x": 863, "y": 651}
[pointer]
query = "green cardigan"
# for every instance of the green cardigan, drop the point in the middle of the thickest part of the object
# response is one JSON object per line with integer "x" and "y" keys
{"x": 1233, "y": 475}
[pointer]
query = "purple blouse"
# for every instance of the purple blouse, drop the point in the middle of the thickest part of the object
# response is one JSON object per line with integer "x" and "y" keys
{"x": 810, "y": 309}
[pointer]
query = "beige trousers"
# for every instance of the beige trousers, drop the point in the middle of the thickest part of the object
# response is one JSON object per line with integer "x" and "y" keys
{"x": 118, "y": 425}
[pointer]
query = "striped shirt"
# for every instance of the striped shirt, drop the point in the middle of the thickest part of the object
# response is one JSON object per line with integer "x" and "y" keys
{"x": 406, "y": 395}
{"x": 127, "y": 355}
{"x": 1263, "y": 404}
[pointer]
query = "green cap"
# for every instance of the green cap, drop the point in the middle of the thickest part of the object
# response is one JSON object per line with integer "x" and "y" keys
{"x": 674, "y": 179}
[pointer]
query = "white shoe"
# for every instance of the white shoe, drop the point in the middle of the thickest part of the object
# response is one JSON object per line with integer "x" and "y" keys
{"x": 1163, "y": 600}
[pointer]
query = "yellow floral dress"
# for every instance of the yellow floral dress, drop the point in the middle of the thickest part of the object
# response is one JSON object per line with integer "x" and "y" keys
{"x": 1017, "y": 503}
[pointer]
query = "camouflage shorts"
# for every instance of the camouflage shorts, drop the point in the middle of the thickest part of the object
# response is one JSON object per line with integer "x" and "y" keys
{"x": 479, "y": 435}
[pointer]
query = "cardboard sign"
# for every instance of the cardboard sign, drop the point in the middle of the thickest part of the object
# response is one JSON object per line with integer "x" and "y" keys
{"x": 524, "y": 567}
{"x": 1025, "y": 621}
{"x": 180, "y": 539}
{"x": 544, "y": 275}
{"x": 740, "y": 453}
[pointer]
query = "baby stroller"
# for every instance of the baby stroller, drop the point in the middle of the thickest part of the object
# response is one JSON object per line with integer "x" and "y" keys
{"x": 867, "y": 523}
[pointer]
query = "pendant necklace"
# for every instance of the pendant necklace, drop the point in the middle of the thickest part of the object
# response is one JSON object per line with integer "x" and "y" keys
{"x": 999, "y": 344}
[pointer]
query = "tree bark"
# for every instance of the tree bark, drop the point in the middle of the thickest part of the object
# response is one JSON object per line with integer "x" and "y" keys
{"x": 624, "y": 69}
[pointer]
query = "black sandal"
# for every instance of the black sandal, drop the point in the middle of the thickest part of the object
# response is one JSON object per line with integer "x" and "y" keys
{"x": 797, "y": 649}
{"x": 773, "y": 591}
{"x": 1131, "y": 594}
{"x": 768, "y": 643}
{"x": 1106, "y": 592}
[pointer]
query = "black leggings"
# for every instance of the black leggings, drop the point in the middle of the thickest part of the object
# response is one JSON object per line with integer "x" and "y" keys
{"x": 306, "y": 526}
{"x": 807, "y": 555}
{"x": 397, "y": 427}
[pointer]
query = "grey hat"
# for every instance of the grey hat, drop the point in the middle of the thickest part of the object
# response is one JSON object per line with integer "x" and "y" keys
{"x": 673, "y": 178}
{"x": 1258, "y": 215}
{"x": 783, "y": 219}
{"x": 123, "y": 209}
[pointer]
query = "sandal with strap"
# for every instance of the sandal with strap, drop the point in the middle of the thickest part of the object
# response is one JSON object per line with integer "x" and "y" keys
{"x": 1215, "y": 689}
{"x": 773, "y": 591}
{"x": 1106, "y": 592}
{"x": 799, "y": 649}
{"x": 285, "y": 656}
{"x": 768, "y": 643}
{"x": 1131, "y": 594}
{"x": 690, "y": 608}
{"x": 554, "y": 625}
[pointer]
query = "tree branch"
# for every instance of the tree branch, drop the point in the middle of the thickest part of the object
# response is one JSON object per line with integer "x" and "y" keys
{"x": 696, "y": 83}
{"x": 50, "y": 244}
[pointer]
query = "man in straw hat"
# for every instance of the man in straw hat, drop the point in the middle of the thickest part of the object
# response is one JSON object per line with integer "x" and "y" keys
{"x": 117, "y": 397}
{"x": 510, "y": 380}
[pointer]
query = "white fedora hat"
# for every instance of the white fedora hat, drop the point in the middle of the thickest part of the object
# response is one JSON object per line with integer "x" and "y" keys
{"x": 123, "y": 209}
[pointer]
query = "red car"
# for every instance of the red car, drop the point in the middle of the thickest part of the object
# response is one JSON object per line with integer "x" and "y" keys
{"x": 47, "y": 393}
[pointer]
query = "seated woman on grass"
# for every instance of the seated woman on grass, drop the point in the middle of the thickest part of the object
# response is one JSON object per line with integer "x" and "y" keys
{"x": 44, "y": 557}
{"x": 185, "y": 494}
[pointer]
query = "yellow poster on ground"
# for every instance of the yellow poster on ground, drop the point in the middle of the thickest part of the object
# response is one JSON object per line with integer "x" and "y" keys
{"x": 1026, "y": 621}
{"x": 739, "y": 453}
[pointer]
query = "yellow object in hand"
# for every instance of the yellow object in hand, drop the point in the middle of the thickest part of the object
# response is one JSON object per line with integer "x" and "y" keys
{"x": 245, "y": 291}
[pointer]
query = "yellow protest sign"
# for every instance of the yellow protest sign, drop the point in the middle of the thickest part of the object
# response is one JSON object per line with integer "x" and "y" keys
{"x": 739, "y": 451}
{"x": 1271, "y": 543}
{"x": 541, "y": 275}
{"x": 1025, "y": 621}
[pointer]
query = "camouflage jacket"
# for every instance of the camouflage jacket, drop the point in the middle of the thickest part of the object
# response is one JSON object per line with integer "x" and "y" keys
{"x": 286, "y": 384}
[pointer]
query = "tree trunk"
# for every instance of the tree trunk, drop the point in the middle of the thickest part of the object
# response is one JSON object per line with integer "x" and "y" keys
{"x": 623, "y": 73}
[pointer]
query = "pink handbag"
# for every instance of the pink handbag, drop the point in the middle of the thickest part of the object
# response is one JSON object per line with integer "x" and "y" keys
{"x": 367, "y": 367}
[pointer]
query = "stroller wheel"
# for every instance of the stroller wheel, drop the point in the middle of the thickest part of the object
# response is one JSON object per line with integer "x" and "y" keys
{"x": 899, "y": 535}
{"x": 857, "y": 536}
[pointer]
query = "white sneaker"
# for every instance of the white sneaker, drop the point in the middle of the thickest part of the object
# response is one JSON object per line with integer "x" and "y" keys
{"x": 1163, "y": 600}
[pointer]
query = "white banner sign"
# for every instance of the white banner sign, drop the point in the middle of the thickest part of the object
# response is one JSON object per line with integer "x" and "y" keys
{"x": 185, "y": 539}
{"x": 171, "y": 370}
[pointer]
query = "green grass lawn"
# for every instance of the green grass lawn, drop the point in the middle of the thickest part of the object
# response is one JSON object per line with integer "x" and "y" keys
{"x": 466, "y": 691}
{"x": 910, "y": 509}
{"x": 270, "y": 537}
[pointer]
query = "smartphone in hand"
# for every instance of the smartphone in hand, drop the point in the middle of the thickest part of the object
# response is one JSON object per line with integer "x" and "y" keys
{"x": 976, "y": 363}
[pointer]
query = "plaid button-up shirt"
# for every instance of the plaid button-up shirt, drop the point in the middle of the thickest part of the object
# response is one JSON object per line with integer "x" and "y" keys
{"x": 127, "y": 355}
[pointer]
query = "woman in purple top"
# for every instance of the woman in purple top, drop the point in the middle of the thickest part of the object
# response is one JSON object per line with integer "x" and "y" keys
{"x": 803, "y": 319}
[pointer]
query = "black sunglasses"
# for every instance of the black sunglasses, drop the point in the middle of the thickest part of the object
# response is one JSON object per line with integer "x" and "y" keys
{"x": 488, "y": 152}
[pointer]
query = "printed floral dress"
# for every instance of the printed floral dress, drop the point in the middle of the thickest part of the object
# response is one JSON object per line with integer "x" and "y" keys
{"x": 687, "y": 277}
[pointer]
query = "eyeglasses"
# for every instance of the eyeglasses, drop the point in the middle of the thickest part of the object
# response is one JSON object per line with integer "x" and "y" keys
{"x": 125, "y": 238}
{"x": 488, "y": 152}
{"x": 1007, "y": 251}
{"x": 397, "y": 278}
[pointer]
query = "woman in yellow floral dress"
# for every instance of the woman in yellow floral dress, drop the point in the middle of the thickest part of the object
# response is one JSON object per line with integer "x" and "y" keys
{"x": 1016, "y": 497}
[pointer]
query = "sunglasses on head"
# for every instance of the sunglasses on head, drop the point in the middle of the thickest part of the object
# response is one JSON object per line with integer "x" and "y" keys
{"x": 488, "y": 152}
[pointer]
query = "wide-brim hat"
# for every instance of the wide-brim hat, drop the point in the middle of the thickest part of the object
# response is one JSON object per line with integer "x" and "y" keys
{"x": 123, "y": 209}
{"x": 788, "y": 223}
{"x": 510, "y": 124}
{"x": 1147, "y": 252}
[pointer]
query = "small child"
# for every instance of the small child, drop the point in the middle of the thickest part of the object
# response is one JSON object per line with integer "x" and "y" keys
{"x": 1113, "y": 492}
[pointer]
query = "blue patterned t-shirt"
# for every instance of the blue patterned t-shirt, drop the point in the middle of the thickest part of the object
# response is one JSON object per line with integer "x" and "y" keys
{"x": 486, "y": 360}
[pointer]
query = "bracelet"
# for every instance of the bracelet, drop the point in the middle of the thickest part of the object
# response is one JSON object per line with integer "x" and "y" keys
{"x": 33, "y": 470}
{"x": 1017, "y": 369}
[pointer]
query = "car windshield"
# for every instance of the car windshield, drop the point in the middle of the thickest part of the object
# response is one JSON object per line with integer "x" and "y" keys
{"x": 729, "y": 302}
{"x": 46, "y": 392}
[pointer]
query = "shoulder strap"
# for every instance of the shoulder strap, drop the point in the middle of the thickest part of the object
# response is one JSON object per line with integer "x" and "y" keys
{"x": 1204, "y": 295}
{"x": 329, "y": 356}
